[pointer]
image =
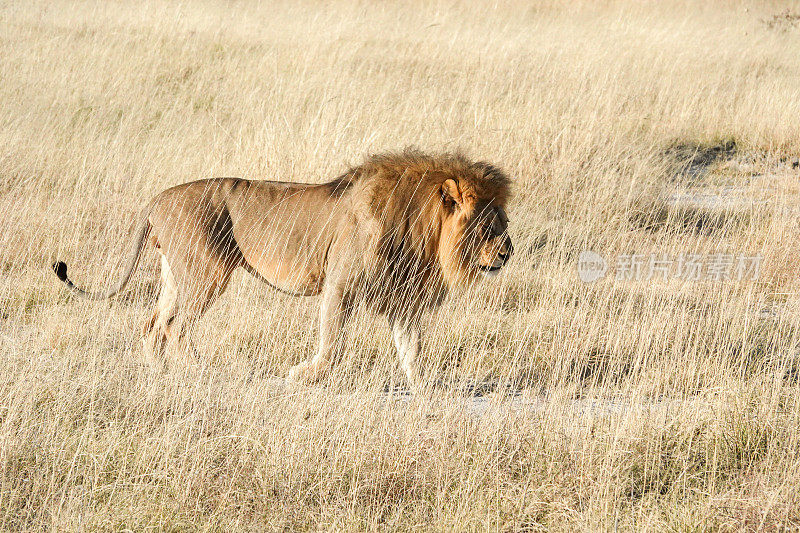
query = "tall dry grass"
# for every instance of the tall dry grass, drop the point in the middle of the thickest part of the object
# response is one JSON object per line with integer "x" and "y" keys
{"x": 647, "y": 405}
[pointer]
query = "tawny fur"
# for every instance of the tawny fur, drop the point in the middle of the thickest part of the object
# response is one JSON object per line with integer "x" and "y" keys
{"x": 396, "y": 233}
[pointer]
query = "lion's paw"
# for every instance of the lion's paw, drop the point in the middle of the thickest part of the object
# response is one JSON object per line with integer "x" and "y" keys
{"x": 302, "y": 373}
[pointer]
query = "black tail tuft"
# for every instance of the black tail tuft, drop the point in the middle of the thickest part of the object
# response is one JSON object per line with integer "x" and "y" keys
{"x": 60, "y": 268}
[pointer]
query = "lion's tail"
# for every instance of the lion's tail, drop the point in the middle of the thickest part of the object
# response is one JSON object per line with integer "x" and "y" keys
{"x": 142, "y": 231}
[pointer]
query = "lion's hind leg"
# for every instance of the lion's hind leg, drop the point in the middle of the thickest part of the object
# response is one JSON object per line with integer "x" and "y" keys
{"x": 200, "y": 281}
{"x": 157, "y": 326}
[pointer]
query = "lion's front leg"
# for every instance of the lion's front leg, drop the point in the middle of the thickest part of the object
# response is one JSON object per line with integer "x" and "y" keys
{"x": 333, "y": 314}
{"x": 407, "y": 341}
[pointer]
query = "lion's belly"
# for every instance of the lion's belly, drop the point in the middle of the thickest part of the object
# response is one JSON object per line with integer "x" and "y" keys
{"x": 288, "y": 272}
{"x": 287, "y": 252}
{"x": 283, "y": 232}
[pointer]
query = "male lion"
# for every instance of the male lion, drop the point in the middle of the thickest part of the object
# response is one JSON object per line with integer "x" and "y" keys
{"x": 396, "y": 233}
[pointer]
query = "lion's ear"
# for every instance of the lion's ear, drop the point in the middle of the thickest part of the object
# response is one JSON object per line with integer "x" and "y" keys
{"x": 451, "y": 195}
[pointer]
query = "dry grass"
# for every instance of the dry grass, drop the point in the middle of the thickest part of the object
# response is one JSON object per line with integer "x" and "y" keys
{"x": 598, "y": 112}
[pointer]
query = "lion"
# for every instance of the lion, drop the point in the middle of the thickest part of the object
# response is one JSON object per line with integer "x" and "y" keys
{"x": 396, "y": 233}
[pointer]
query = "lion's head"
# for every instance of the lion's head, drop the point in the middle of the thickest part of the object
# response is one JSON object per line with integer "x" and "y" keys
{"x": 443, "y": 212}
{"x": 474, "y": 238}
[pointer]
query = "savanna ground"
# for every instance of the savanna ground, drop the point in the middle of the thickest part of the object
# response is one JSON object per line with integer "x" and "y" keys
{"x": 600, "y": 112}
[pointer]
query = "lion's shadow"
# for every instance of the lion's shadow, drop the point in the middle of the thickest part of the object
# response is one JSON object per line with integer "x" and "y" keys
{"x": 469, "y": 388}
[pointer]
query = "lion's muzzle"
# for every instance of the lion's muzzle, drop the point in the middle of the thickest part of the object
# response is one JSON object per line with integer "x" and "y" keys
{"x": 501, "y": 257}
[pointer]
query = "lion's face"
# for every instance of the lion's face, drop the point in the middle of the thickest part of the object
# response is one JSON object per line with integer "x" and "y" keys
{"x": 475, "y": 234}
{"x": 491, "y": 248}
